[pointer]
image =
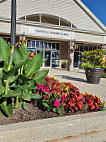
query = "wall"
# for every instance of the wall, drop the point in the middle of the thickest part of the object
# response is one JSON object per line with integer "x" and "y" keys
{"x": 63, "y": 52}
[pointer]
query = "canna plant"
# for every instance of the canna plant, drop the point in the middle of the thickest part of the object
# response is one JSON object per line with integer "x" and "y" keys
{"x": 17, "y": 83}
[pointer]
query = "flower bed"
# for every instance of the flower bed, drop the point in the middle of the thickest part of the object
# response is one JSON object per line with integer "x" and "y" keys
{"x": 63, "y": 97}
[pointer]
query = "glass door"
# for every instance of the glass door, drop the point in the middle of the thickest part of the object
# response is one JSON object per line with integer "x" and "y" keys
{"x": 48, "y": 58}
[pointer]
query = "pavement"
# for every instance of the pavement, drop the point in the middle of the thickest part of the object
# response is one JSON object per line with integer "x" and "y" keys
{"x": 77, "y": 78}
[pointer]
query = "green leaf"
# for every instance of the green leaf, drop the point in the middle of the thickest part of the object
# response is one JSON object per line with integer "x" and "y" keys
{"x": 25, "y": 106}
{"x": 28, "y": 96}
{"x": 45, "y": 104}
{"x": 1, "y": 72}
{"x": 11, "y": 94}
{"x": 18, "y": 56}
{"x": 40, "y": 75}
{"x": 7, "y": 109}
{"x": 6, "y": 75}
{"x": 24, "y": 79}
{"x": 4, "y": 50}
{"x": 34, "y": 64}
{"x": 6, "y": 65}
{"x": 1, "y": 88}
{"x": 23, "y": 50}
{"x": 28, "y": 86}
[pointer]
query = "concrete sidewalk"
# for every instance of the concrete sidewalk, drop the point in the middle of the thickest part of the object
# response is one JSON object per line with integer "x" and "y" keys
{"x": 77, "y": 77}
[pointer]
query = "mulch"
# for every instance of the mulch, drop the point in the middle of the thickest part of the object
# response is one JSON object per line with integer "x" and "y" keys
{"x": 33, "y": 113}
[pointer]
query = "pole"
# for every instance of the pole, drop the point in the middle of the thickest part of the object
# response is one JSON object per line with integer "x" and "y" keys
{"x": 13, "y": 22}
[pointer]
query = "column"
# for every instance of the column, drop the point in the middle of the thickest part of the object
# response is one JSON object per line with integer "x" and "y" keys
{"x": 70, "y": 56}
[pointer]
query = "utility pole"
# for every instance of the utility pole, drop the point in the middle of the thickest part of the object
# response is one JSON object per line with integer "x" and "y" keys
{"x": 13, "y": 22}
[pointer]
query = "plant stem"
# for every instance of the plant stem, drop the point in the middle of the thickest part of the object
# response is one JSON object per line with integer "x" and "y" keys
{"x": 11, "y": 58}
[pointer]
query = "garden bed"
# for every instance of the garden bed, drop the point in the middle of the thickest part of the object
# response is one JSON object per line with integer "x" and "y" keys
{"x": 20, "y": 115}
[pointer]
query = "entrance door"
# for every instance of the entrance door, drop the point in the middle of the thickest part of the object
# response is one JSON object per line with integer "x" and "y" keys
{"x": 48, "y": 58}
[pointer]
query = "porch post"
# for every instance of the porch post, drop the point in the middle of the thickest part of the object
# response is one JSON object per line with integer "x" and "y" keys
{"x": 70, "y": 55}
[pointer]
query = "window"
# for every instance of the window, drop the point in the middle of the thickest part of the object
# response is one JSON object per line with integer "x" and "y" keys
{"x": 28, "y": 44}
{"x": 33, "y": 43}
{"x": 37, "y": 44}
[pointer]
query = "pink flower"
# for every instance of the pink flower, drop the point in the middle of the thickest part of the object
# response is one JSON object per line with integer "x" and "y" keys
{"x": 43, "y": 91}
{"x": 46, "y": 96}
{"x": 57, "y": 103}
{"x": 31, "y": 103}
{"x": 63, "y": 98}
{"x": 47, "y": 90}
{"x": 37, "y": 92}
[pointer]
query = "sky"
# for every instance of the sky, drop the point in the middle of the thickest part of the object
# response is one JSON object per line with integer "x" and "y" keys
{"x": 98, "y": 7}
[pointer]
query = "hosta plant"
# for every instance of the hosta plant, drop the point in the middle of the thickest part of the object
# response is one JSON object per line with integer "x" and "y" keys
{"x": 16, "y": 81}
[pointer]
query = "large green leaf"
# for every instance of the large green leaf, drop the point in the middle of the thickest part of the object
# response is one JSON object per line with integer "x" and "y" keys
{"x": 28, "y": 96}
{"x": 6, "y": 75}
{"x": 24, "y": 79}
{"x": 7, "y": 109}
{"x": 18, "y": 56}
{"x": 4, "y": 50}
{"x": 40, "y": 75}
{"x": 1, "y": 88}
{"x": 12, "y": 94}
{"x": 34, "y": 64}
{"x": 28, "y": 86}
{"x": 1, "y": 71}
{"x": 23, "y": 50}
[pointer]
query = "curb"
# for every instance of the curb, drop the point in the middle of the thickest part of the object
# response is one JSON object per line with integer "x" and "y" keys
{"x": 90, "y": 127}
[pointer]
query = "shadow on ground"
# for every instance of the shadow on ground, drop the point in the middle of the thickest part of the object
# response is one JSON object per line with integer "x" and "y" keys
{"x": 71, "y": 78}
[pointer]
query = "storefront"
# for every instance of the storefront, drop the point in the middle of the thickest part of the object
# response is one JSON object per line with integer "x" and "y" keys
{"x": 55, "y": 30}
{"x": 50, "y": 51}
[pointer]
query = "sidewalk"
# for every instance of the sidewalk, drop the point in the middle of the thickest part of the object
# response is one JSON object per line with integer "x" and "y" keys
{"x": 77, "y": 77}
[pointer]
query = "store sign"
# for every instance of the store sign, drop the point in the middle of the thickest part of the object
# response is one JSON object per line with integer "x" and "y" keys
{"x": 49, "y": 33}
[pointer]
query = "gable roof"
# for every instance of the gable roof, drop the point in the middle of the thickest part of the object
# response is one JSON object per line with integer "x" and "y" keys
{"x": 71, "y": 10}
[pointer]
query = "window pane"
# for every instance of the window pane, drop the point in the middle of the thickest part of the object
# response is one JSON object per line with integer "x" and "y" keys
{"x": 32, "y": 50}
{"x": 28, "y": 44}
{"x": 81, "y": 48}
{"x": 37, "y": 44}
{"x": 53, "y": 45}
{"x": 86, "y": 48}
{"x": 45, "y": 45}
{"x": 41, "y": 44}
{"x": 49, "y": 45}
{"x": 90, "y": 48}
{"x": 33, "y": 43}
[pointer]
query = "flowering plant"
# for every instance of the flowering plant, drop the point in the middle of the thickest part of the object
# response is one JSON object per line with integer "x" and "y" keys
{"x": 63, "y": 97}
{"x": 94, "y": 58}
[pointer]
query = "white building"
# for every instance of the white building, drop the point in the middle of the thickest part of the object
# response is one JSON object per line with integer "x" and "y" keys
{"x": 54, "y": 27}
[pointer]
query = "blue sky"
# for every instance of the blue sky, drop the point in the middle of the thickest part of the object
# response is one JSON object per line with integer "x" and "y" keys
{"x": 98, "y": 7}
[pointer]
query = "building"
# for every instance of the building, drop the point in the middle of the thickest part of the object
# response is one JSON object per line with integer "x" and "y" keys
{"x": 60, "y": 29}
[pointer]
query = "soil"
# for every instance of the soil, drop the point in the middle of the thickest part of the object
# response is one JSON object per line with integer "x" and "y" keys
{"x": 32, "y": 113}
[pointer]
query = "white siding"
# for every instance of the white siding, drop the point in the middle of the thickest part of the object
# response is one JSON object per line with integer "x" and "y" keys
{"x": 66, "y": 9}
{"x": 89, "y": 38}
{"x": 5, "y": 27}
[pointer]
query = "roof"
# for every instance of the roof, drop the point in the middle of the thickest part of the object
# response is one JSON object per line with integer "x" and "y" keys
{"x": 85, "y": 8}
{"x": 71, "y": 10}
